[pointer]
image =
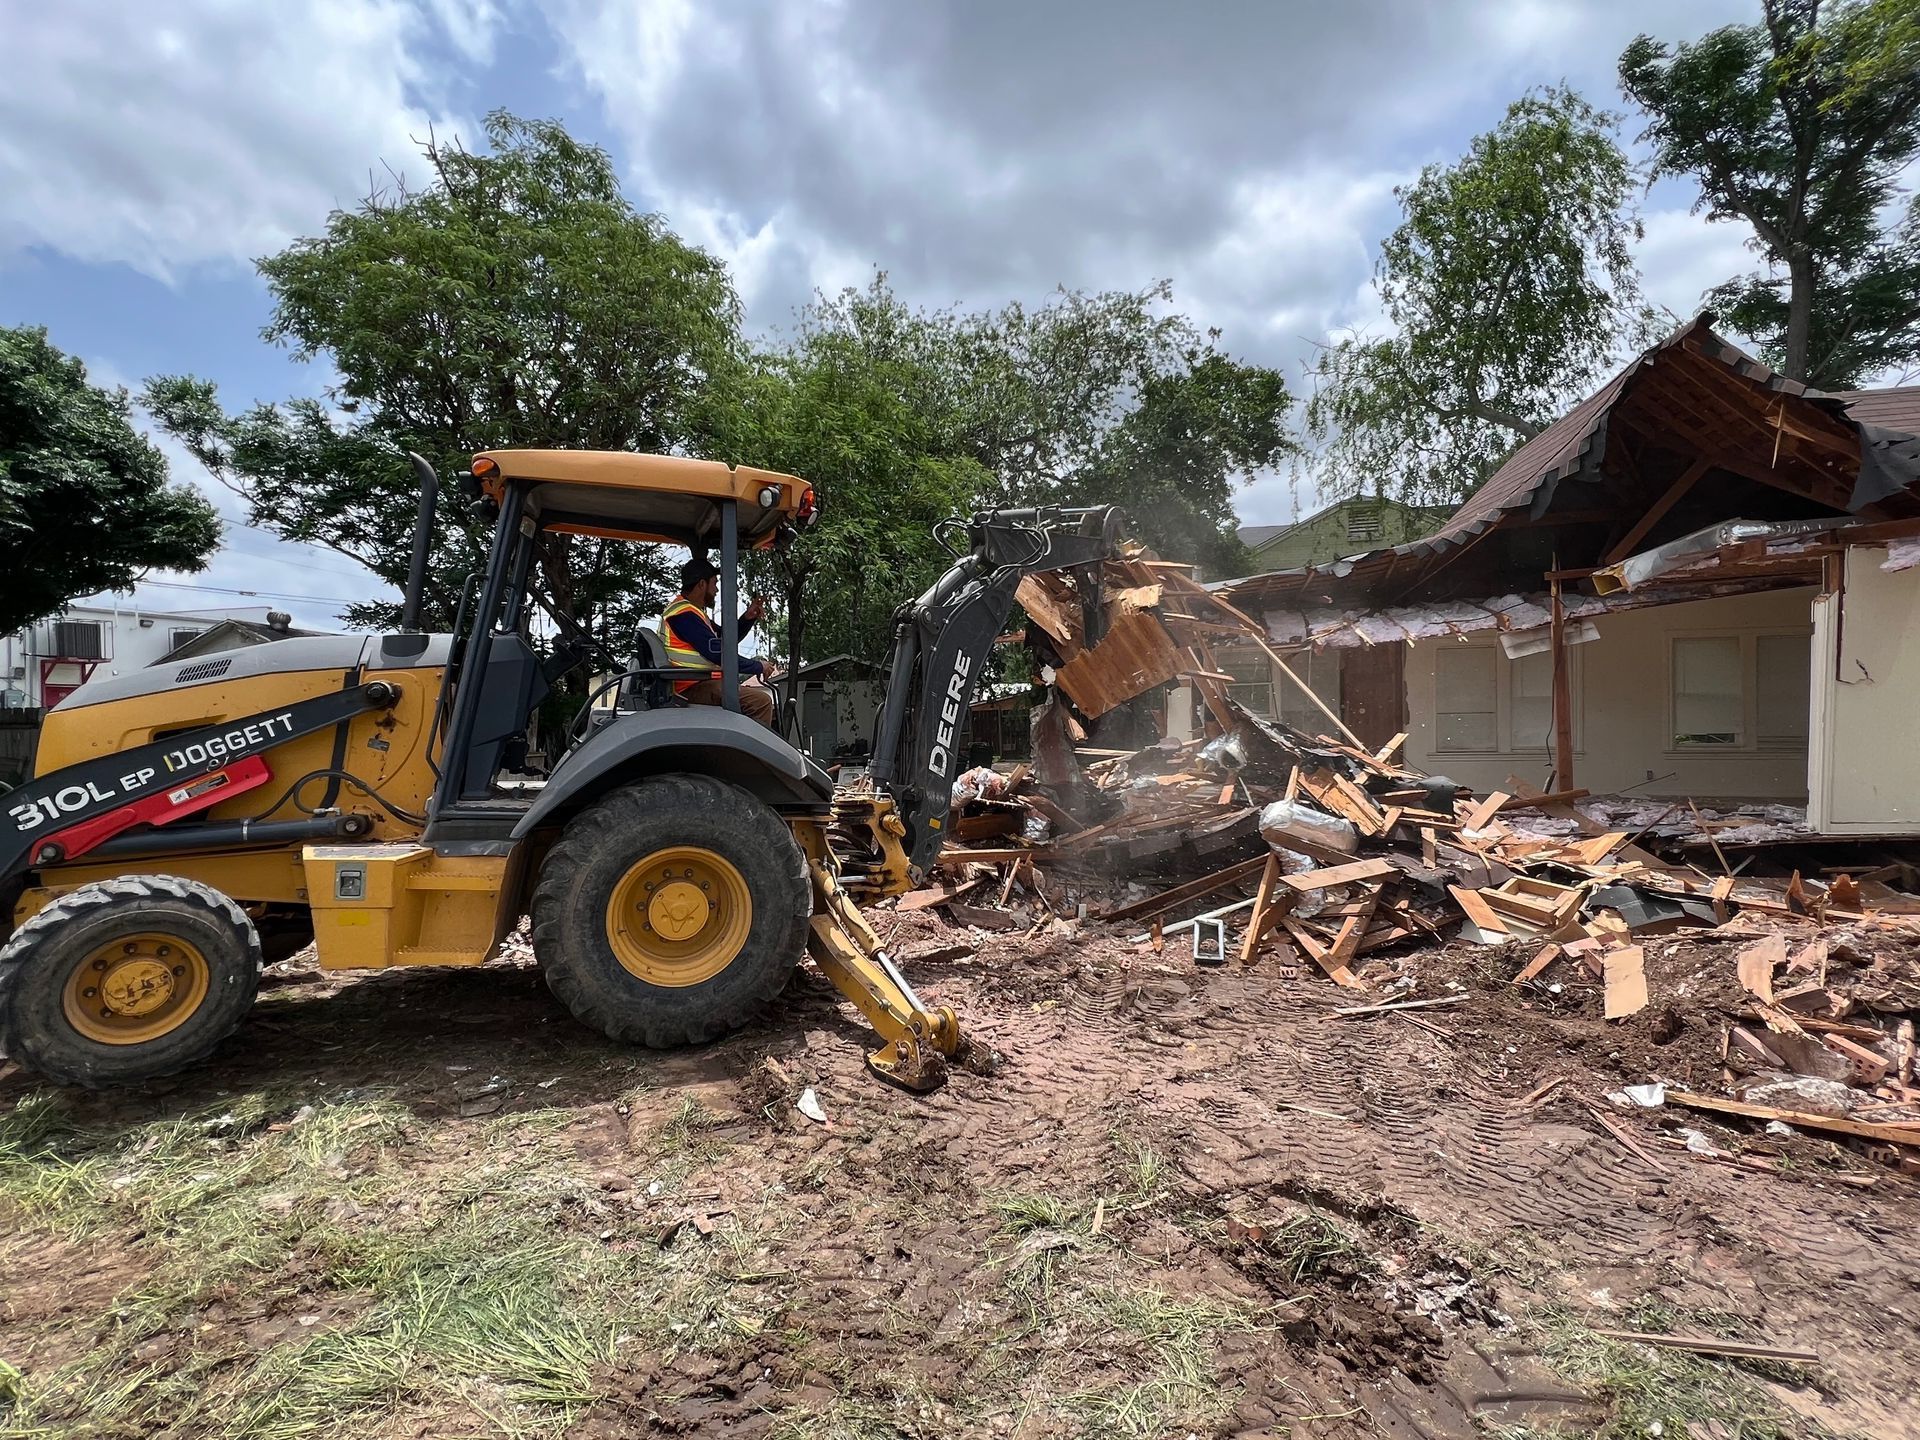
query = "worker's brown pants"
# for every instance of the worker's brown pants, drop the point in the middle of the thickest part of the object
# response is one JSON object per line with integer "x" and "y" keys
{"x": 756, "y": 701}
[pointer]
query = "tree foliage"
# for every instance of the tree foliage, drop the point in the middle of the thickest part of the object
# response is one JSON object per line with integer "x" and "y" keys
{"x": 1801, "y": 125}
{"x": 84, "y": 499}
{"x": 902, "y": 417}
{"x": 518, "y": 300}
{"x": 1510, "y": 288}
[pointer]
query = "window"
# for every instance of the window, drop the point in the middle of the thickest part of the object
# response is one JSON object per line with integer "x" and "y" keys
{"x": 1708, "y": 697}
{"x": 1783, "y": 690}
{"x": 1530, "y": 704}
{"x": 176, "y": 638}
{"x": 1252, "y": 684}
{"x": 1321, "y": 671}
{"x": 76, "y": 639}
{"x": 1467, "y": 698}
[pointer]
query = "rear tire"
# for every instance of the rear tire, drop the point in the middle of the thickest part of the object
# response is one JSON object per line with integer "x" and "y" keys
{"x": 126, "y": 980}
{"x": 671, "y": 911}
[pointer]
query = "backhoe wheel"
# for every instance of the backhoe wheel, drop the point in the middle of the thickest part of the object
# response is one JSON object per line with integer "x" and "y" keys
{"x": 127, "y": 979}
{"x": 671, "y": 911}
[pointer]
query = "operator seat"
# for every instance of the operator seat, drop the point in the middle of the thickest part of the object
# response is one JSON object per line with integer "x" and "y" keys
{"x": 649, "y": 692}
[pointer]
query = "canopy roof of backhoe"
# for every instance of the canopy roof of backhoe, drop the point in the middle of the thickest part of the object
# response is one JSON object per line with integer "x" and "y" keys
{"x": 668, "y": 499}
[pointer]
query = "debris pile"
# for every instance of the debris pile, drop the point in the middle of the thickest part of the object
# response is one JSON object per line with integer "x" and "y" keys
{"x": 1264, "y": 842}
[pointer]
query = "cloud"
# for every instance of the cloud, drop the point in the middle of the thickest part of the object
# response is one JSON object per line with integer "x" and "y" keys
{"x": 194, "y": 132}
{"x": 984, "y": 151}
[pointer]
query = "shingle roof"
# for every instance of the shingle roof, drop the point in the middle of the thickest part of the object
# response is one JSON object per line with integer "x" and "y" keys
{"x": 1897, "y": 408}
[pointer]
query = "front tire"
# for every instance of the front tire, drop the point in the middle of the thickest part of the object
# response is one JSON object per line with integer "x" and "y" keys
{"x": 671, "y": 911}
{"x": 126, "y": 980}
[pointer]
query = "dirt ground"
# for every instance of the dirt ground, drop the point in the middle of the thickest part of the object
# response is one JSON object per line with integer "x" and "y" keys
{"x": 1161, "y": 1200}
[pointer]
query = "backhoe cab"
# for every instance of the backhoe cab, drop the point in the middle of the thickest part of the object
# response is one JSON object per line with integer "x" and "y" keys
{"x": 187, "y": 822}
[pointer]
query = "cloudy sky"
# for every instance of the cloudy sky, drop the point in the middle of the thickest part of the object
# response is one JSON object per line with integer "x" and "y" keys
{"x": 978, "y": 150}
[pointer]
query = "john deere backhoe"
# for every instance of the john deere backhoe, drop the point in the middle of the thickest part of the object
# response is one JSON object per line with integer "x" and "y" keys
{"x": 187, "y": 822}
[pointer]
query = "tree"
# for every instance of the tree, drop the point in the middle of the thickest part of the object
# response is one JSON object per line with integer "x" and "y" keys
{"x": 903, "y": 417}
{"x": 855, "y": 405}
{"x": 519, "y": 300}
{"x": 84, "y": 499}
{"x": 1801, "y": 125}
{"x": 1510, "y": 288}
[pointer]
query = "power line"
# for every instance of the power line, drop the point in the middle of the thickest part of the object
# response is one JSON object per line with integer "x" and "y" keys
{"x": 256, "y": 594}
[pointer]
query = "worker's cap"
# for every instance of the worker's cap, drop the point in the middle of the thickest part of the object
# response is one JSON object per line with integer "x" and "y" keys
{"x": 695, "y": 570}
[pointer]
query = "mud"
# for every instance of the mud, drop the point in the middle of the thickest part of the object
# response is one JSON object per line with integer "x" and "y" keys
{"x": 1458, "y": 1205}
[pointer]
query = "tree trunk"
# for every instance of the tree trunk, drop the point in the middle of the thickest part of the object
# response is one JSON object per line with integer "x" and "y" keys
{"x": 1799, "y": 315}
{"x": 796, "y": 635}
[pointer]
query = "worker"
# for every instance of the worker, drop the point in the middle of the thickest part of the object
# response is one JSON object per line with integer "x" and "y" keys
{"x": 693, "y": 643}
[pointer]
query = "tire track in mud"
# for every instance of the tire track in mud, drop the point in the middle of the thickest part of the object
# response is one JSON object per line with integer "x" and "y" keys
{"x": 1252, "y": 1088}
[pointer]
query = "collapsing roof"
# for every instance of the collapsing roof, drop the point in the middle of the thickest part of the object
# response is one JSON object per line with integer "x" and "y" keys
{"x": 1690, "y": 432}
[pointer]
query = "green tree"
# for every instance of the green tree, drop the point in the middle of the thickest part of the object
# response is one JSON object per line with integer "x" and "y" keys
{"x": 1510, "y": 288}
{"x": 857, "y": 405}
{"x": 903, "y": 417}
{"x": 518, "y": 300}
{"x": 81, "y": 491}
{"x": 1801, "y": 126}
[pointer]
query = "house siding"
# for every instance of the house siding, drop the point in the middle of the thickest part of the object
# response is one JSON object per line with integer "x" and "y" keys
{"x": 1866, "y": 692}
{"x": 1328, "y": 536}
{"x": 1623, "y": 724}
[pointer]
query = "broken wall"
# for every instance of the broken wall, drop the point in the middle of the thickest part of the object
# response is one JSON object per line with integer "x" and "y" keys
{"x": 1865, "y": 762}
{"x": 1622, "y": 707}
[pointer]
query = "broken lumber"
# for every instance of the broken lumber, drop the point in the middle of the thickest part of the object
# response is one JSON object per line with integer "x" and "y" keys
{"x": 1477, "y": 910}
{"x": 1888, "y": 1132}
{"x": 1626, "y": 981}
{"x": 1478, "y": 817}
{"x": 1401, "y": 1005}
{"x": 1350, "y": 874}
{"x": 1714, "y": 1345}
{"x": 1180, "y": 894}
{"x": 1539, "y": 962}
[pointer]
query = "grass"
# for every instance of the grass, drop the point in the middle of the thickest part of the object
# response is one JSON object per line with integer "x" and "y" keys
{"x": 1654, "y": 1392}
{"x": 1312, "y": 1245}
{"x": 494, "y": 1291}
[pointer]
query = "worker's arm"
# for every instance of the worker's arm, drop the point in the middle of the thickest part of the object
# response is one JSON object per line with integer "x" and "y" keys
{"x": 692, "y": 629}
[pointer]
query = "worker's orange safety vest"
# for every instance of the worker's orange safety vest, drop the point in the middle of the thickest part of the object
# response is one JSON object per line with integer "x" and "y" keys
{"x": 680, "y": 654}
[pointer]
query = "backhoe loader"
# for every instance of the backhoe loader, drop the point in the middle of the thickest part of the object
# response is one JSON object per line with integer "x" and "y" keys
{"x": 188, "y": 822}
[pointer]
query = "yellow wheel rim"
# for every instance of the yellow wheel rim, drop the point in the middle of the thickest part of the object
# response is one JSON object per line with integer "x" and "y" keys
{"x": 679, "y": 916}
{"x": 136, "y": 988}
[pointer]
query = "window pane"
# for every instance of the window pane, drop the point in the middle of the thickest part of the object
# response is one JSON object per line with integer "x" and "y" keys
{"x": 1321, "y": 671}
{"x": 1464, "y": 687}
{"x": 1252, "y": 673}
{"x": 1707, "y": 697}
{"x": 1530, "y": 708}
{"x": 1783, "y": 689}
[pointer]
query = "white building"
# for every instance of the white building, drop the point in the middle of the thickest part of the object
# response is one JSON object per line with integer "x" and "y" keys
{"x": 42, "y": 664}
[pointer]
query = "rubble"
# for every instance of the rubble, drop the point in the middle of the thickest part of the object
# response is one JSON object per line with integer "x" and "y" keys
{"x": 1265, "y": 843}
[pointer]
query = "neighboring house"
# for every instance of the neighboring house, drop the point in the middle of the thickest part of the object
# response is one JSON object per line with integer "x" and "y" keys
{"x": 235, "y": 635}
{"x": 839, "y": 698}
{"x": 1346, "y": 527}
{"x": 1770, "y": 659}
{"x": 44, "y": 663}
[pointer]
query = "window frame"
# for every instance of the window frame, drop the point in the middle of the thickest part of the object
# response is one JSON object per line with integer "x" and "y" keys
{"x": 1505, "y": 744}
{"x": 1749, "y": 742}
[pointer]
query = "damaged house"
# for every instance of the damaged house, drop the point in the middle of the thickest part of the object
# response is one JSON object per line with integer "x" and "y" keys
{"x": 1699, "y": 584}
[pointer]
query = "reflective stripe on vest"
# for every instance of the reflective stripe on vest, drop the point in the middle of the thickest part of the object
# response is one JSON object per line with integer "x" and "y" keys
{"x": 680, "y": 654}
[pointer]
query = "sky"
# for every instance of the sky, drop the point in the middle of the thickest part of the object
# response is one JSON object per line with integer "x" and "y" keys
{"x": 979, "y": 151}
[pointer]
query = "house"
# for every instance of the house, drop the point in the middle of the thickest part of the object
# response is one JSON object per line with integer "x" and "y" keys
{"x": 1702, "y": 581}
{"x": 44, "y": 663}
{"x": 839, "y": 699}
{"x": 235, "y": 634}
{"x": 1346, "y": 527}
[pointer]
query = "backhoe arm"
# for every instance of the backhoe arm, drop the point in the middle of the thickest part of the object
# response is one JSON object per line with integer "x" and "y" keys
{"x": 940, "y": 646}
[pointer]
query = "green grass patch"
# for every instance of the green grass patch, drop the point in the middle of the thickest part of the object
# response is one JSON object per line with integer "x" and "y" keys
{"x": 430, "y": 1285}
{"x": 1654, "y": 1393}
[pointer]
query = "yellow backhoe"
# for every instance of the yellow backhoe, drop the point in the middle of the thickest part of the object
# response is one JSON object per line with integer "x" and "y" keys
{"x": 190, "y": 821}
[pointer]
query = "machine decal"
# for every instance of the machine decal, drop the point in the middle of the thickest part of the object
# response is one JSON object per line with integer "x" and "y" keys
{"x": 940, "y": 761}
{"x": 94, "y": 788}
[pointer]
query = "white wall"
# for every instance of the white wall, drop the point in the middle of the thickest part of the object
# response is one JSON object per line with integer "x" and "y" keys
{"x": 1623, "y": 710}
{"x": 131, "y": 639}
{"x": 1865, "y": 767}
